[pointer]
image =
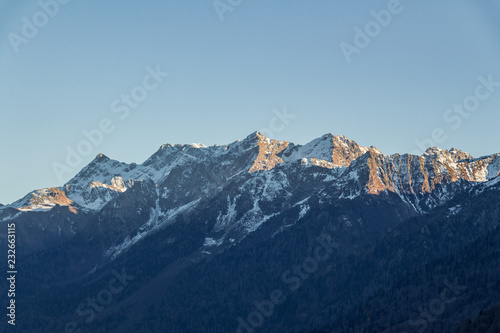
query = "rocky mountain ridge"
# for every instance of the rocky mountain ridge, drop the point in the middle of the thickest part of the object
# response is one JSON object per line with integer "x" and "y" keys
{"x": 355, "y": 168}
{"x": 239, "y": 216}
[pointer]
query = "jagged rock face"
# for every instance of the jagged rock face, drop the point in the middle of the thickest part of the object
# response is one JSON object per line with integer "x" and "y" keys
{"x": 196, "y": 171}
{"x": 345, "y": 151}
{"x": 402, "y": 174}
{"x": 334, "y": 150}
{"x": 437, "y": 175}
{"x": 117, "y": 184}
{"x": 447, "y": 156}
{"x": 267, "y": 157}
{"x": 46, "y": 198}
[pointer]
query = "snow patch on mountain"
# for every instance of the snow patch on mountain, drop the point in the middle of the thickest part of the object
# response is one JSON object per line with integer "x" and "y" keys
{"x": 210, "y": 242}
{"x": 156, "y": 220}
{"x": 225, "y": 220}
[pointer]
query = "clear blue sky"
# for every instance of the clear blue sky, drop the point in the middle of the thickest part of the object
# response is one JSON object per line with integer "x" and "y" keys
{"x": 226, "y": 77}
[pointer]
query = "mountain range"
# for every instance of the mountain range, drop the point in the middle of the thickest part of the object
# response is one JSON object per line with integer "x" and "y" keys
{"x": 263, "y": 235}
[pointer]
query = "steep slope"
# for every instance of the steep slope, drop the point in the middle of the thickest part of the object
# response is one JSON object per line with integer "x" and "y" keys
{"x": 237, "y": 215}
{"x": 104, "y": 179}
{"x": 184, "y": 176}
{"x": 418, "y": 262}
{"x": 358, "y": 284}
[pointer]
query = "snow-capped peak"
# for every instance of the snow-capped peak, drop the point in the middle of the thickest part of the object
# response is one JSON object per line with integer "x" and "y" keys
{"x": 104, "y": 179}
{"x": 446, "y": 156}
{"x": 198, "y": 145}
{"x": 336, "y": 149}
